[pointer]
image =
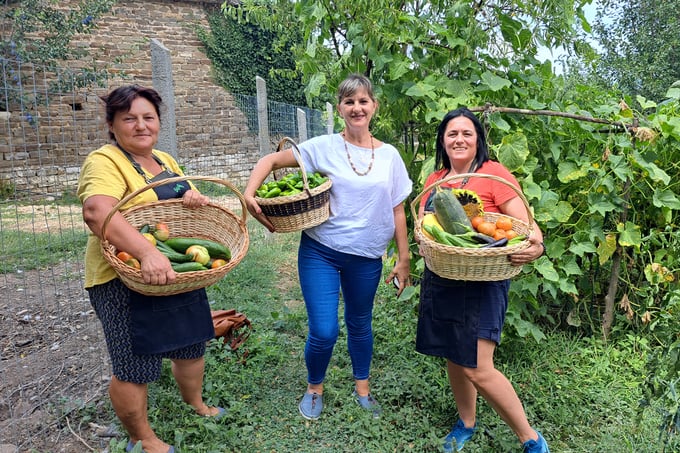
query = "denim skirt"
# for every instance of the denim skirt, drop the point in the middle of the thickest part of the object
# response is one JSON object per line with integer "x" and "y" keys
{"x": 454, "y": 314}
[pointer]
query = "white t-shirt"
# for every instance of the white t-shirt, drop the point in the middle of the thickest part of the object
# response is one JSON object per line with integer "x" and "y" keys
{"x": 361, "y": 220}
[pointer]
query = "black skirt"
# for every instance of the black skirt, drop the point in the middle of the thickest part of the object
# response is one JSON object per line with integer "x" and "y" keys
{"x": 454, "y": 314}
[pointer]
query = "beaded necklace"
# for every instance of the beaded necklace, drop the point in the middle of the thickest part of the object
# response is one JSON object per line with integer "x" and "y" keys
{"x": 349, "y": 157}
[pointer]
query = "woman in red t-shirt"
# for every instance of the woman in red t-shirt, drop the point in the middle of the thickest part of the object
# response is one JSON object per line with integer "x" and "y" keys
{"x": 462, "y": 320}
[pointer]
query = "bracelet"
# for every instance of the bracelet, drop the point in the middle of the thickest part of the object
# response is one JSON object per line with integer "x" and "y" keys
{"x": 543, "y": 245}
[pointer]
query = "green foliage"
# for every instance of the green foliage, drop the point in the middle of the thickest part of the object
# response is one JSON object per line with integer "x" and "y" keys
{"x": 241, "y": 51}
{"x": 641, "y": 46}
{"x": 598, "y": 190}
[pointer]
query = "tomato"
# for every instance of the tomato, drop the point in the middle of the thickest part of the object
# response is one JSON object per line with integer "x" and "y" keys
{"x": 217, "y": 263}
{"x": 504, "y": 223}
{"x": 488, "y": 228}
{"x": 511, "y": 234}
{"x": 134, "y": 262}
{"x": 149, "y": 237}
{"x": 199, "y": 253}
{"x": 161, "y": 231}
{"x": 500, "y": 234}
{"x": 123, "y": 256}
{"x": 475, "y": 221}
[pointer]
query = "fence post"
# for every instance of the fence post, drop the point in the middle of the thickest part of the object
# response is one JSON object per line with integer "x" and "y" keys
{"x": 302, "y": 125}
{"x": 329, "y": 119}
{"x": 161, "y": 76}
{"x": 262, "y": 116}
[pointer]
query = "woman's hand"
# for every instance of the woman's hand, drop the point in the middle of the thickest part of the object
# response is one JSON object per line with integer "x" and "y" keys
{"x": 193, "y": 199}
{"x": 156, "y": 268}
{"x": 256, "y": 211}
{"x": 401, "y": 272}
{"x": 529, "y": 254}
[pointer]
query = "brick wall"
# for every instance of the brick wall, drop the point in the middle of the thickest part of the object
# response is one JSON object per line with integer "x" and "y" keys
{"x": 42, "y": 157}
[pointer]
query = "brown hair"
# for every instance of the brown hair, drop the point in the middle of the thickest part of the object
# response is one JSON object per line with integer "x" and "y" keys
{"x": 120, "y": 100}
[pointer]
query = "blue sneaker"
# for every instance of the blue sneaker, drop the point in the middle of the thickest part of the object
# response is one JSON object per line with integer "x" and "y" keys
{"x": 311, "y": 406}
{"x": 369, "y": 403}
{"x": 536, "y": 446}
{"x": 456, "y": 439}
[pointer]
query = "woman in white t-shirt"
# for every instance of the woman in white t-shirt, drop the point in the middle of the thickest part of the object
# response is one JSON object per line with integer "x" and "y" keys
{"x": 344, "y": 254}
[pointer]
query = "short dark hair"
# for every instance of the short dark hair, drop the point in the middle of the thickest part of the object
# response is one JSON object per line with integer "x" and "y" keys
{"x": 441, "y": 158}
{"x": 120, "y": 100}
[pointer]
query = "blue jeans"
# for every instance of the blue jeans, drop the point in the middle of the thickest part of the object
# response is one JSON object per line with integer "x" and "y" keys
{"x": 323, "y": 273}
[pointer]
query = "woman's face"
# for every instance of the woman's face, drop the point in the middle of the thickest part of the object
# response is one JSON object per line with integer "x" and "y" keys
{"x": 357, "y": 109}
{"x": 136, "y": 131}
{"x": 460, "y": 141}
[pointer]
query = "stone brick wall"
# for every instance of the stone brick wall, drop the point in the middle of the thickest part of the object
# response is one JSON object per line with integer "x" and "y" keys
{"x": 42, "y": 157}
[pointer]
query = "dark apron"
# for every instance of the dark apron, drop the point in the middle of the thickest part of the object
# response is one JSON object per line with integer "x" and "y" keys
{"x": 161, "y": 324}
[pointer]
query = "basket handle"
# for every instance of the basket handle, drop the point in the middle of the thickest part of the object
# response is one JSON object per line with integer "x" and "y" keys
{"x": 298, "y": 157}
{"x": 161, "y": 182}
{"x": 427, "y": 189}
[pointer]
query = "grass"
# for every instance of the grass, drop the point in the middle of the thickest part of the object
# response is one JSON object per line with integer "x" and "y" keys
{"x": 580, "y": 392}
{"x": 27, "y": 250}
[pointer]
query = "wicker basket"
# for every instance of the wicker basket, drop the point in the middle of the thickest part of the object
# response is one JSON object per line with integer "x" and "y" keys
{"x": 475, "y": 264}
{"x": 213, "y": 222}
{"x": 306, "y": 209}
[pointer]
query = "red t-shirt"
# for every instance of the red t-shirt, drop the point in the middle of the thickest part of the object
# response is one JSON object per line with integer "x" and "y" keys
{"x": 492, "y": 193}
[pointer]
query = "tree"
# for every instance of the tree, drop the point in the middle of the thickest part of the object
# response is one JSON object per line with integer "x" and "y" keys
{"x": 641, "y": 46}
{"x": 424, "y": 56}
{"x": 241, "y": 51}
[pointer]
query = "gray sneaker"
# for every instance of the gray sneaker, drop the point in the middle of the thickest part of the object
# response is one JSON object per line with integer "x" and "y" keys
{"x": 369, "y": 403}
{"x": 311, "y": 406}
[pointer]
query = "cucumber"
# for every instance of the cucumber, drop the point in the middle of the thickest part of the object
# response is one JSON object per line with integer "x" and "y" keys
{"x": 188, "y": 267}
{"x": 171, "y": 254}
{"x": 450, "y": 213}
{"x": 215, "y": 249}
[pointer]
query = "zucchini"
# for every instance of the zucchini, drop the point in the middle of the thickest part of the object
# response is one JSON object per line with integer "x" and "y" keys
{"x": 450, "y": 213}
{"x": 188, "y": 267}
{"x": 215, "y": 249}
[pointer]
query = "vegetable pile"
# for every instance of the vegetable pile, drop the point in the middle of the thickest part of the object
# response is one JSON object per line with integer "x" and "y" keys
{"x": 291, "y": 184}
{"x": 450, "y": 225}
{"x": 185, "y": 253}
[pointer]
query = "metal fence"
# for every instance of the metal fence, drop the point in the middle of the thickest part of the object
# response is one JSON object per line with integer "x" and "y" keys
{"x": 52, "y": 356}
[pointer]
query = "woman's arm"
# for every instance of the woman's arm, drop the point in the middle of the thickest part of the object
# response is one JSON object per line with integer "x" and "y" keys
{"x": 262, "y": 169}
{"x": 155, "y": 267}
{"x": 402, "y": 268}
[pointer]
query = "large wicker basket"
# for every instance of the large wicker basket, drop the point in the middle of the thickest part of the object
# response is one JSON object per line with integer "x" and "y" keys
{"x": 309, "y": 208}
{"x": 475, "y": 264}
{"x": 213, "y": 221}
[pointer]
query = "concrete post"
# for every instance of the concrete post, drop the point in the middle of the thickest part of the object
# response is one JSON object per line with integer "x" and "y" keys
{"x": 329, "y": 120}
{"x": 161, "y": 76}
{"x": 302, "y": 125}
{"x": 262, "y": 115}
